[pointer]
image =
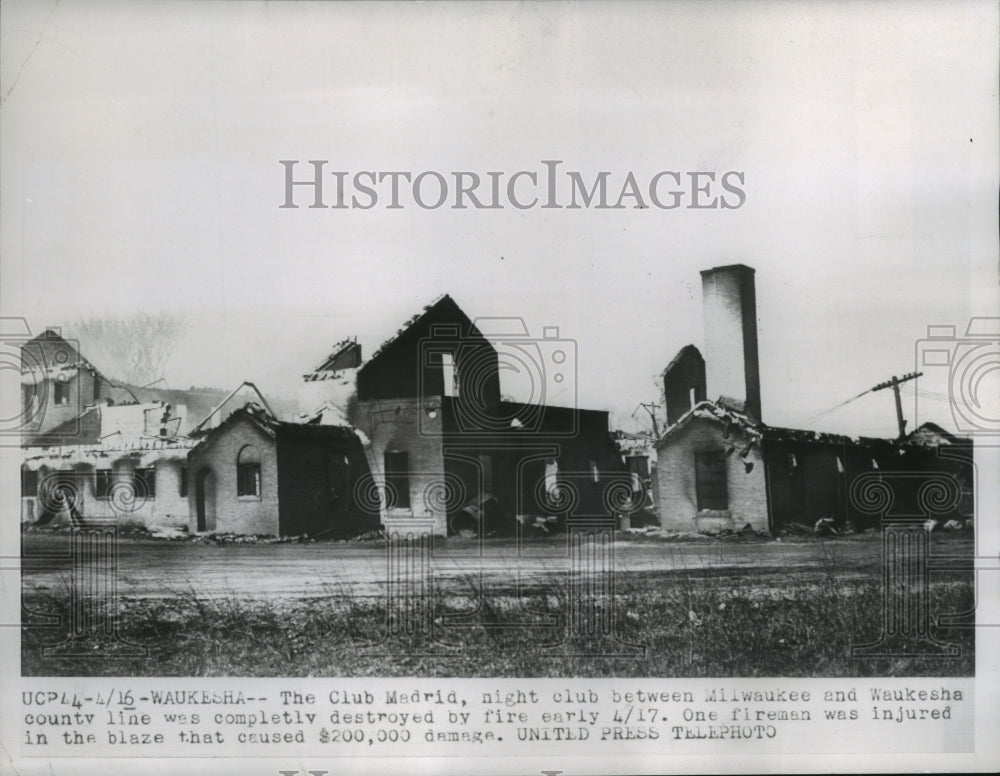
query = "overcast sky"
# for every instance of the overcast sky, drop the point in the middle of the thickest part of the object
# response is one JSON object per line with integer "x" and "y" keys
{"x": 140, "y": 148}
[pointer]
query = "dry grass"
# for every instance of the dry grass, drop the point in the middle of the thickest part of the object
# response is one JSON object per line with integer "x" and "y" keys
{"x": 723, "y": 624}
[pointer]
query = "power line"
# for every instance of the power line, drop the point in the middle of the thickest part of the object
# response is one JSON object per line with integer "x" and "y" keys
{"x": 936, "y": 395}
{"x": 835, "y": 407}
{"x": 914, "y": 391}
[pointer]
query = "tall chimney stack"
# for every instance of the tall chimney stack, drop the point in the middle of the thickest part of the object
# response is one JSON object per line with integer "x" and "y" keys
{"x": 732, "y": 368}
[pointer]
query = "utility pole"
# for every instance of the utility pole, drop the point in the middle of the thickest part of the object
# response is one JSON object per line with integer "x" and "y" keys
{"x": 894, "y": 383}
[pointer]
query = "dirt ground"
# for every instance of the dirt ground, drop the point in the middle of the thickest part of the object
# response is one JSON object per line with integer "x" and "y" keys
{"x": 150, "y": 568}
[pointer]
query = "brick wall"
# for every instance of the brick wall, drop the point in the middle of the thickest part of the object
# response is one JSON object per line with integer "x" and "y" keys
{"x": 165, "y": 508}
{"x": 404, "y": 367}
{"x": 79, "y": 393}
{"x": 731, "y": 356}
{"x": 676, "y": 481}
{"x": 171, "y": 507}
{"x": 405, "y": 425}
{"x": 248, "y": 515}
{"x": 684, "y": 375}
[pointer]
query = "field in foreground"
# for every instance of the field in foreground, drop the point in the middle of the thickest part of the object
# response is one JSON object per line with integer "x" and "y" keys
{"x": 718, "y": 620}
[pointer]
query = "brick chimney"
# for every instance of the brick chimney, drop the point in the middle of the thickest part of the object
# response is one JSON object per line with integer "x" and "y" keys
{"x": 732, "y": 368}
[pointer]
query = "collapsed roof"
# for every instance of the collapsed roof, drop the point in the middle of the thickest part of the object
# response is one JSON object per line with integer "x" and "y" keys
{"x": 732, "y": 416}
{"x": 143, "y": 452}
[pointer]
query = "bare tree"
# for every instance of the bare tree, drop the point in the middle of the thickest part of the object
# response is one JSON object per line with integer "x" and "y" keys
{"x": 133, "y": 348}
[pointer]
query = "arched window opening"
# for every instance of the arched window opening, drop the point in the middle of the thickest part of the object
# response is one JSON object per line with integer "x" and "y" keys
{"x": 248, "y": 472}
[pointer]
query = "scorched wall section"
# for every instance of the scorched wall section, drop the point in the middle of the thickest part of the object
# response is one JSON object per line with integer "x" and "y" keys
{"x": 219, "y": 455}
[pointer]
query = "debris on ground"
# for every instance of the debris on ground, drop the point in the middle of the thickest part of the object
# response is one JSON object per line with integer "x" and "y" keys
{"x": 231, "y": 538}
{"x": 539, "y": 525}
{"x": 661, "y": 534}
{"x": 169, "y": 533}
{"x": 644, "y": 518}
{"x": 823, "y": 527}
{"x": 369, "y": 536}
